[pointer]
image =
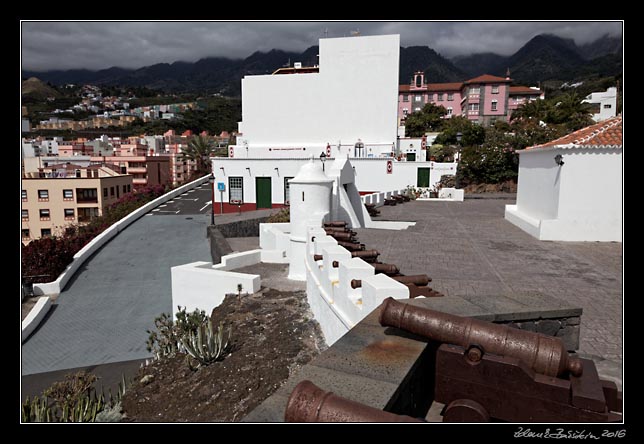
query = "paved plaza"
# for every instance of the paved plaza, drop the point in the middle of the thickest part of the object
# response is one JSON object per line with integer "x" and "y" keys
{"x": 468, "y": 248}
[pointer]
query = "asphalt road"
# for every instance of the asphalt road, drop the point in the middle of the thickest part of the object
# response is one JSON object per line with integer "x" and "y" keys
{"x": 103, "y": 313}
{"x": 197, "y": 201}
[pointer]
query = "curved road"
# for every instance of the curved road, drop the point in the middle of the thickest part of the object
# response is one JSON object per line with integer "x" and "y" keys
{"x": 103, "y": 313}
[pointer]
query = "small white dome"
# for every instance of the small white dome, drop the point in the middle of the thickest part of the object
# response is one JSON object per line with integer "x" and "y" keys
{"x": 311, "y": 172}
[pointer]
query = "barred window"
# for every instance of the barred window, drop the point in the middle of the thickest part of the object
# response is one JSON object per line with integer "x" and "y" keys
{"x": 68, "y": 194}
{"x": 235, "y": 189}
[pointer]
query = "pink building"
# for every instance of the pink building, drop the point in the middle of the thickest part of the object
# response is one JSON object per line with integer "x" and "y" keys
{"x": 484, "y": 99}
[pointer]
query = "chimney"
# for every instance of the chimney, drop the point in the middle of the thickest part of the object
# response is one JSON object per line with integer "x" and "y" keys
{"x": 507, "y": 74}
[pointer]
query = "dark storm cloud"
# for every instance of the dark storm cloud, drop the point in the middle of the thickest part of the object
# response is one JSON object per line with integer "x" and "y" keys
{"x": 96, "y": 45}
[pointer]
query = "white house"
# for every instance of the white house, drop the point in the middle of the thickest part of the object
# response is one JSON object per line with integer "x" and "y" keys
{"x": 570, "y": 189}
{"x": 349, "y": 102}
{"x": 605, "y": 104}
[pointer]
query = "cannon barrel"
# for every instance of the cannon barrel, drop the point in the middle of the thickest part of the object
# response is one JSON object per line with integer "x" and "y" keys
{"x": 317, "y": 257}
{"x": 331, "y": 230}
{"x": 386, "y": 268}
{"x": 365, "y": 254}
{"x": 544, "y": 354}
{"x": 335, "y": 223}
{"x": 417, "y": 279}
{"x": 309, "y": 403}
{"x": 356, "y": 283}
{"x": 343, "y": 236}
{"x": 352, "y": 246}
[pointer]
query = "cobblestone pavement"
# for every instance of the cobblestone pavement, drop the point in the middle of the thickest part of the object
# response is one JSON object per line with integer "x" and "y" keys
{"x": 468, "y": 248}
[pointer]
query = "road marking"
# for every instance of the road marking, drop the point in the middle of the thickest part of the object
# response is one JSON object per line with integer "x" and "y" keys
{"x": 191, "y": 191}
{"x": 207, "y": 203}
{"x": 156, "y": 209}
{"x": 164, "y": 211}
{"x": 164, "y": 205}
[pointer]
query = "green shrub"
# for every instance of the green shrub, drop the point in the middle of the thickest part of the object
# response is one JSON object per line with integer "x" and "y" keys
{"x": 166, "y": 339}
{"x": 74, "y": 399}
{"x": 206, "y": 345}
{"x": 284, "y": 215}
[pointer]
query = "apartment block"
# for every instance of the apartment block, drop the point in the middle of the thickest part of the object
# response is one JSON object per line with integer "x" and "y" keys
{"x": 59, "y": 195}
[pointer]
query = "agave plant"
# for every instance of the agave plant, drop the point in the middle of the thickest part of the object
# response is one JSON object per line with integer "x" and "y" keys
{"x": 206, "y": 345}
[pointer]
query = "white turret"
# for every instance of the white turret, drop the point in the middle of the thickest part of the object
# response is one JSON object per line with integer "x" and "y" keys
{"x": 310, "y": 198}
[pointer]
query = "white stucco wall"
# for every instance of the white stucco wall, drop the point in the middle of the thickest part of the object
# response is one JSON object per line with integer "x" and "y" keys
{"x": 578, "y": 201}
{"x": 354, "y": 96}
{"x": 370, "y": 174}
{"x": 607, "y": 101}
{"x": 538, "y": 184}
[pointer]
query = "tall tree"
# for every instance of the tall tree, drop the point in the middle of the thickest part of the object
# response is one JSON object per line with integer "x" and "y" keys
{"x": 430, "y": 118}
{"x": 199, "y": 149}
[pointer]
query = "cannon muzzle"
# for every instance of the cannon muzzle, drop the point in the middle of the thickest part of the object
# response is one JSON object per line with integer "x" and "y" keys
{"x": 544, "y": 354}
{"x": 309, "y": 403}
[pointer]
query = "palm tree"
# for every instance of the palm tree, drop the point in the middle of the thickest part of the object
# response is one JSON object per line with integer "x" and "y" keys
{"x": 535, "y": 109}
{"x": 572, "y": 112}
{"x": 199, "y": 149}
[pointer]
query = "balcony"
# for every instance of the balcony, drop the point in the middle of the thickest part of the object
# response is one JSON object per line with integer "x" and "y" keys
{"x": 86, "y": 200}
{"x": 139, "y": 181}
{"x": 137, "y": 170}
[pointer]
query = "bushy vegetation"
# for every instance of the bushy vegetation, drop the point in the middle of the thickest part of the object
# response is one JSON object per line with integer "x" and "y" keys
{"x": 283, "y": 215}
{"x": 191, "y": 334}
{"x": 74, "y": 399}
{"x": 488, "y": 155}
{"x": 44, "y": 259}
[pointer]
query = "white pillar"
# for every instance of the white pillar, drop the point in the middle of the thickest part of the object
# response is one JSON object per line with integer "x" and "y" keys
{"x": 310, "y": 196}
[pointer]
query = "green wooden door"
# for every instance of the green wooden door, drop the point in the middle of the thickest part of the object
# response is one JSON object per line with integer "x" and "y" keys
{"x": 263, "y": 192}
{"x": 423, "y": 177}
{"x": 411, "y": 157}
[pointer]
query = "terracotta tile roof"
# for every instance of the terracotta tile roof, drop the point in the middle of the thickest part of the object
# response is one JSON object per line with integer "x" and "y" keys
{"x": 432, "y": 87}
{"x": 487, "y": 78}
{"x": 445, "y": 86}
{"x": 524, "y": 90}
{"x": 606, "y": 134}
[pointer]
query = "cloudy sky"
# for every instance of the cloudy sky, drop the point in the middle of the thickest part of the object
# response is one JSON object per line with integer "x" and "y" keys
{"x": 97, "y": 45}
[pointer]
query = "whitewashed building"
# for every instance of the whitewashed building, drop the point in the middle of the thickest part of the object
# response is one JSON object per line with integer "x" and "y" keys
{"x": 604, "y": 104}
{"x": 348, "y": 102}
{"x": 570, "y": 189}
{"x": 345, "y": 107}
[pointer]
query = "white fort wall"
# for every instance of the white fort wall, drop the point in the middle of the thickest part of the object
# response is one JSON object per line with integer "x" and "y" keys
{"x": 370, "y": 175}
{"x": 353, "y": 96}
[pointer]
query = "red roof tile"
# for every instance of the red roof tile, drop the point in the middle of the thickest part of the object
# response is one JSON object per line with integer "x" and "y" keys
{"x": 445, "y": 86}
{"x": 603, "y": 134}
{"x": 487, "y": 78}
{"x": 524, "y": 90}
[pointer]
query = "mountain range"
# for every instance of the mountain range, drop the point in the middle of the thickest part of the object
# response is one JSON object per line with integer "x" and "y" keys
{"x": 545, "y": 57}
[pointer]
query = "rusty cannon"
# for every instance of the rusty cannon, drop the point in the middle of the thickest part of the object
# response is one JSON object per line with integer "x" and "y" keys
{"x": 367, "y": 255}
{"x": 352, "y": 246}
{"x": 309, "y": 403}
{"x": 544, "y": 354}
{"x": 332, "y": 231}
{"x": 342, "y": 236}
{"x": 419, "y": 280}
{"x": 335, "y": 224}
{"x": 486, "y": 371}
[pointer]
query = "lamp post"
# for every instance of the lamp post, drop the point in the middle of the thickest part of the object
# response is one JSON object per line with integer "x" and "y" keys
{"x": 459, "y": 136}
{"x": 322, "y": 159}
{"x": 212, "y": 198}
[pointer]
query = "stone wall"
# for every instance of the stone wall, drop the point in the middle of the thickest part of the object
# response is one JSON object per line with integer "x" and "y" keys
{"x": 567, "y": 329}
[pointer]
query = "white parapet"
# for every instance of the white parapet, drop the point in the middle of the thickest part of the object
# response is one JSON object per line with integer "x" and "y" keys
{"x": 199, "y": 285}
{"x": 336, "y": 306}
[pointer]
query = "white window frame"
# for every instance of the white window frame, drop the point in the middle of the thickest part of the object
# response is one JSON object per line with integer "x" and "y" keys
{"x": 235, "y": 189}
{"x": 495, "y": 89}
{"x": 495, "y": 105}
